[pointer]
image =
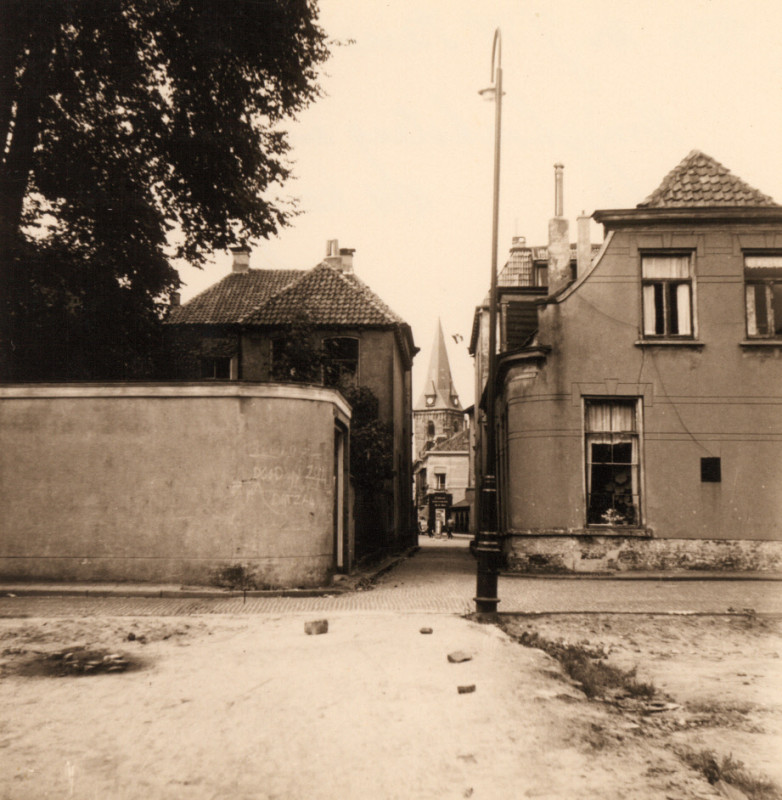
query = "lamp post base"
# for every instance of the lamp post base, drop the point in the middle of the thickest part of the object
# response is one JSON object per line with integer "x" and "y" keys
{"x": 488, "y": 553}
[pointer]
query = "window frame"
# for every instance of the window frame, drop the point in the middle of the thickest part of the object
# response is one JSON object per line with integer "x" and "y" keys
{"x": 754, "y": 282}
{"x": 213, "y": 361}
{"x": 329, "y": 363}
{"x": 635, "y": 466}
{"x": 665, "y": 300}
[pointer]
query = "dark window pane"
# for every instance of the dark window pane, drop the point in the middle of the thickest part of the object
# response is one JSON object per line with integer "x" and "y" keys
{"x": 216, "y": 369}
{"x": 601, "y": 478}
{"x": 622, "y": 453}
{"x": 776, "y": 306}
{"x": 601, "y": 453}
{"x": 222, "y": 368}
{"x": 673, "y": 310}
{"x": 341, "y": 360}
{"x": 342, "y": 347}
{"x": 598, "y": 506}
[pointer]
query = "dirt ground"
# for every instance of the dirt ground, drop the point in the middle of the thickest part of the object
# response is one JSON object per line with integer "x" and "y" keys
{"x": 250, "y": 707}
{"x": 721, "y": 676}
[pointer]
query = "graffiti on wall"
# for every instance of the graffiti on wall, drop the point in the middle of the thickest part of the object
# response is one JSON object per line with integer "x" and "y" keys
{"x": 287, "y": 478}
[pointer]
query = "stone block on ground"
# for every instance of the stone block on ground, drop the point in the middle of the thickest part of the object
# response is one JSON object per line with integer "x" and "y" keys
{"x": 316, "y": 626}
{"x": 458, "y": 656}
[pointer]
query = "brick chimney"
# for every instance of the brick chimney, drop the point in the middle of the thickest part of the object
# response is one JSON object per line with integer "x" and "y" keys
{"x": 241, "y": 256}
{"x": 340, "y": 258}
{"x": 346, "y": 253}
{"x": 558, "y": 239}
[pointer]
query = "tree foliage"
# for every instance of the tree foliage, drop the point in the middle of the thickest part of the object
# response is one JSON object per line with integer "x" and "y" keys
{"x": 371, "y": 439}
{"x": 124, "y": 122}
{"x": 300, "y": 357}
{"x": 297, "y": 354}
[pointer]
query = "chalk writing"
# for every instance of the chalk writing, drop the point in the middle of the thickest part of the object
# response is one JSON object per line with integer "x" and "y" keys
{"x": 289, "y": 482}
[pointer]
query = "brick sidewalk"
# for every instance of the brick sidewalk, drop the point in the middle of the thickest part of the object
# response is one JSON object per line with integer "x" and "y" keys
{"x": 439, "y": 578}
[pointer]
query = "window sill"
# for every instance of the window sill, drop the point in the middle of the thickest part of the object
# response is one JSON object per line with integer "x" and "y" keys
{"x": 617, "y": 530}
{"x": 634, "y": 532}
{"x": 761, "y": 343}
{"x": 695, "y": 343}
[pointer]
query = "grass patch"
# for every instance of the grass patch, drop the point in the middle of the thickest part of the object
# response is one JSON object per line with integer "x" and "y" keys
{"x": 722, "y": 708}
{"x": 588, "y": 667}
{"x": 732, "y": 771}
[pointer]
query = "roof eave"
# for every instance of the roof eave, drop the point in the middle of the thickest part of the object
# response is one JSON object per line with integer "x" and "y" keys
{"x": 636, "y": 217}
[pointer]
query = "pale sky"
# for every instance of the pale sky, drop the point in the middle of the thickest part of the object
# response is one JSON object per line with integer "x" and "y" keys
{"x": 396, "y": 160}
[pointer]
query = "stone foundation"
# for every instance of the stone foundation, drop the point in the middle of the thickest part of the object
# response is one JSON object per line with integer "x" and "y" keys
{"x": 610, "y": 554}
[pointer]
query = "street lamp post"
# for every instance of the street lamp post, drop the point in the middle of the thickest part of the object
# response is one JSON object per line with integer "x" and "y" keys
{"x": 487, "y": 549}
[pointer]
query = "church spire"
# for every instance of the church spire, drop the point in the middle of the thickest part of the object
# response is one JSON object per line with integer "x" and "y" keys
{"x": 439, "y": 391}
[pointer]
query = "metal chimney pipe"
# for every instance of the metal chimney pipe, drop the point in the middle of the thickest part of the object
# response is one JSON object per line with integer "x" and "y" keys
{"x": 559, "y": 191}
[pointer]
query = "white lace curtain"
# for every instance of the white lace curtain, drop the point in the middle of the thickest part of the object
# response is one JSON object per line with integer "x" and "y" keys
{"x": 666, "y": 267}
{"x": 610, "y": 417}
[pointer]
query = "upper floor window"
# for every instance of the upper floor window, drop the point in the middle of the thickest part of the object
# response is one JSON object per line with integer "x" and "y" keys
{"x": 216, "y": 369}
{"x": 763, "y": 294}
{"x": 440, "y": 480}
{"x": 667, "y": 294}
{"x": 341, "y": 361}
{"x": 430, "y": 429}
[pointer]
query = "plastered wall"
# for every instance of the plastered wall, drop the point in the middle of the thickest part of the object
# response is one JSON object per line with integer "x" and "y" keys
{"x": 168, "y": 483}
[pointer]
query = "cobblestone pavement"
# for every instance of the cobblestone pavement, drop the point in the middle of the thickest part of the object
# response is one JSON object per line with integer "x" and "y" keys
{"x": 440, "y": 578}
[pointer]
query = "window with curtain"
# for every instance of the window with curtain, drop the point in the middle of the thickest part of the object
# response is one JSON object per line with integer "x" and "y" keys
{"x": 667, "y": 295}
{"x": 763, "y": 295}
{"x": 612, "y": 462}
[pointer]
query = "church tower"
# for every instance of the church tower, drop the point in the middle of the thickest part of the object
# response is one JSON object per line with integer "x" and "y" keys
{"x": 438, "y": 414}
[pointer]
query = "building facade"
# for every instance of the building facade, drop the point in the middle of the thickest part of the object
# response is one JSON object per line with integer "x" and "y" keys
{"x": 443, "y": 491}
{"x": 640, "y": 424}
{"x": 323, "y": 326}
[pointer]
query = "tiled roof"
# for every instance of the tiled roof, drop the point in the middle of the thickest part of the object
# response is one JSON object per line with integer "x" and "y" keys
{"x": 276, "y": 296}
{"x": 330, "y": 297}
{"x": 457, "y": 442}
{"x": 234, "y": 296}
{"x": 700, "y": 181}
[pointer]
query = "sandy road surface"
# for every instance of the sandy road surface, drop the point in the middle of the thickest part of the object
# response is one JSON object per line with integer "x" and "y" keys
{"x": 238, "y": 707}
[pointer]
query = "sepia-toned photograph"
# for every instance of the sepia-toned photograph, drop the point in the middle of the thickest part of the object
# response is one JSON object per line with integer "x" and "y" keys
{"x": 390, "y": 400}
